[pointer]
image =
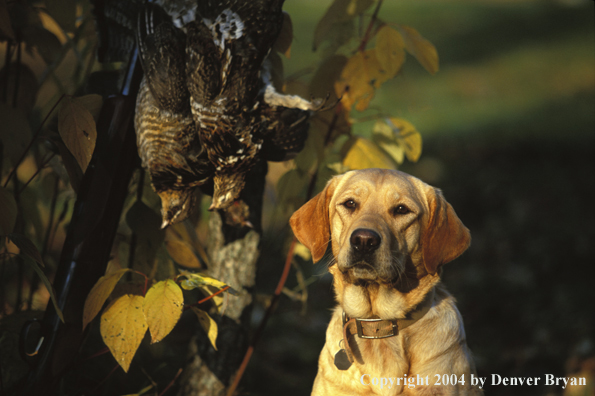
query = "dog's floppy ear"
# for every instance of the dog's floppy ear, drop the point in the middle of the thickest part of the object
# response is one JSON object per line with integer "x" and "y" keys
{"x": 445, "y": 237}
{"x": 310, "y": 223}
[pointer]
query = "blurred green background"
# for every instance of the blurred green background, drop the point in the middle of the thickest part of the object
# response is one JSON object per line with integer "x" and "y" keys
{"x": 508, "y": 131}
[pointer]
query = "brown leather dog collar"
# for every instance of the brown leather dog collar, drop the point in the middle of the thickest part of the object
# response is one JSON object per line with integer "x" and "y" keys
{"x": 379, "y": 328}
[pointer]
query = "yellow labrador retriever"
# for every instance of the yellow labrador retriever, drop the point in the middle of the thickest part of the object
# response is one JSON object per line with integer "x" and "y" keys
{"x": 396, "y": 329}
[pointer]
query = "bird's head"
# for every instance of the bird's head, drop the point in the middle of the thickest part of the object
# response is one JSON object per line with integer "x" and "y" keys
{"x": 176, "y": 205}
{"x": 227, "y": 189}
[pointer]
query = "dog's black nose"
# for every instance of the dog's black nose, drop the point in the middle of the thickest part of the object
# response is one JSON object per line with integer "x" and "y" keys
{"x": 365, "y": 241}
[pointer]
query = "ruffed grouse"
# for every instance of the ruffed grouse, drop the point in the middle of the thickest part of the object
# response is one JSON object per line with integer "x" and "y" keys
{"x": 167, "y": 140}
{"x": 237, "y": 111}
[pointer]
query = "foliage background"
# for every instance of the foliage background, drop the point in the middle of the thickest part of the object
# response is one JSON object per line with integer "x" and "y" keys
{"x": 507, "y": 126}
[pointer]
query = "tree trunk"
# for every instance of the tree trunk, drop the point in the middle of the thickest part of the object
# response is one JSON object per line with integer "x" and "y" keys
{"x": 233, "y": 252}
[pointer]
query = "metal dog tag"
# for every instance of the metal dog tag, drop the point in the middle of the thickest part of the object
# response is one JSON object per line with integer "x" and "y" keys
{"x": 341, "y": 360}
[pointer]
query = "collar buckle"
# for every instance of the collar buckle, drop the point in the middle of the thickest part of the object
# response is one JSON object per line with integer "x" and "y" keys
{"x": 363, "y": 327}
{"x": 360, "y": 328}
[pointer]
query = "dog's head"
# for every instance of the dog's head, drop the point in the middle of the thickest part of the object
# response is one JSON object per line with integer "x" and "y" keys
{"x": 381, "y": 224}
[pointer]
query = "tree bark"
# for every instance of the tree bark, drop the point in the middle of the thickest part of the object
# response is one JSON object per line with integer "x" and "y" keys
{"x": 233, "y": 252}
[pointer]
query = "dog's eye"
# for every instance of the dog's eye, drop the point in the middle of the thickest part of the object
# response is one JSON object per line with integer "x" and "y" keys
{"x": 350, "y": 204}
{"x": 400, "y": 210}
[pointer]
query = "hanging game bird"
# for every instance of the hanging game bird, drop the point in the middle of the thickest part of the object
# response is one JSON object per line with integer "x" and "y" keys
{"x": 168, "y": 143}
{"x": 237, "y": 112}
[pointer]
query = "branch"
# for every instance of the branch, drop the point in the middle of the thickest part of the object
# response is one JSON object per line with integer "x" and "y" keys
{"x": 368, "y": 35}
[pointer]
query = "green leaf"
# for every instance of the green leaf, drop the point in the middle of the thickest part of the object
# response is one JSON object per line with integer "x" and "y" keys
{"x": 196, "y": 279}
{"x": 8, "y": 211}
{"x": 27, "y": 247}
{"x": 208, "y": 324}
{"x": 78, "y": 130}
{"x": 361, "y": 153}
{"x": 283, "y": 43}
{"x": 292, "y": 185}
{"x": 323, "y": 82}
{"x": 313, "y": 151}
{"x": 390, "y": 50}
{"x": 339, "y": 12}
{"x": 422, "y": 49}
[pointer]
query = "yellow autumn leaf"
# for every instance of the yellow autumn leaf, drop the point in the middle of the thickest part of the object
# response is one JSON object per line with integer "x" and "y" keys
{"x": 196, "y": 279}
{"x": 390, "y": 50}
{"x": 78, "y": 130}
{"x": 208, "y": 325}
{"x": 163, "y": 307}
{"x": 91, "y": 102}
{"x": 398, "y": 138}
{"x": 182, "y": 253}
{"x": 363, "y": 154}
{"x": 123, "y": 327}
{"x": 359, "y": 79}
{"x": 384, "y": 136}
{"x": 99, "y": 294}
{"x": 353, "y": 84}
{"x": 302, "y": 251}
{"x": 422, "y": 49}
{"x": 408, "y": 137}
{"x": 338, "y": 167}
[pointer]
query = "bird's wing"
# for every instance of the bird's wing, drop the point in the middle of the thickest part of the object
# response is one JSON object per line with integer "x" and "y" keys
{"x": 168, "y": 145}
{"x": 161, "y": 48}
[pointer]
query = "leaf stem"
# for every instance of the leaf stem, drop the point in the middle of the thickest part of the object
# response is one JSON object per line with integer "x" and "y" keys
{"x": 368, "y": 35}
{"x": 171, "y": 383}
{"x": 15, "y": 94}
{"x": 213, "y": 295}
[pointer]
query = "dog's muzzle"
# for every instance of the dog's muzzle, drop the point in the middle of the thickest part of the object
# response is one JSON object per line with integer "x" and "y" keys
{"x": 364, "y": 241}
{"x": 361, "y": 261}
